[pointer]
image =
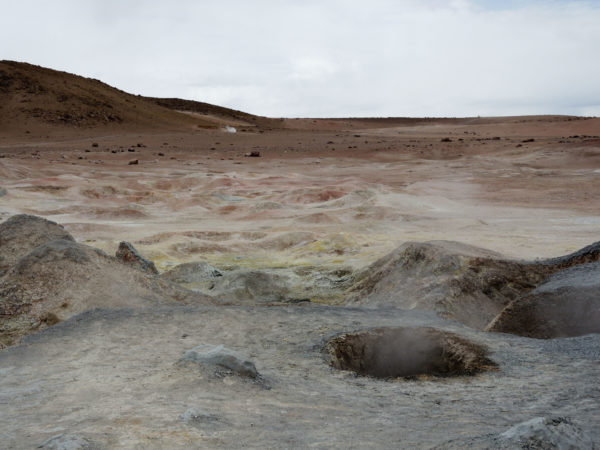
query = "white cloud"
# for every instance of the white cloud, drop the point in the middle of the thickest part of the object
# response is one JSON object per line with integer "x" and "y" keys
{"x": 325, "y": 58}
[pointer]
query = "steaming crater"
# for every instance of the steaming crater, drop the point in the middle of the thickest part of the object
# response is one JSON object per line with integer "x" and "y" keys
{"x": 407, "y": 352}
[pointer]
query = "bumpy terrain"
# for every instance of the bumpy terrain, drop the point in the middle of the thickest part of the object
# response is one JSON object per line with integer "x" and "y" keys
{"x": 178, "y": 275}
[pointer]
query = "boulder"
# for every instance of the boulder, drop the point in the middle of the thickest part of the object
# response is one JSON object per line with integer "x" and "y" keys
{"x": 243, "y": 286}
{"x": 220, "y": 357}
{"x": 129, "y": 255}
{"x": 194, "y": 272}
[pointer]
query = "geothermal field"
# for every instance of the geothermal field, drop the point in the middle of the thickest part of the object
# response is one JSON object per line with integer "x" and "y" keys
{"x": 177, "y": 275}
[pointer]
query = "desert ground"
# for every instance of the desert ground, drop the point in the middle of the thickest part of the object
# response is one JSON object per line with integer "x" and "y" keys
{"x": 294, "y": 233}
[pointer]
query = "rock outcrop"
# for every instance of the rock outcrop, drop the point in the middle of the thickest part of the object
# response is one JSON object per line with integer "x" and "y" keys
{"x": 129, "y": 255}
{"x": 22, "y": 233}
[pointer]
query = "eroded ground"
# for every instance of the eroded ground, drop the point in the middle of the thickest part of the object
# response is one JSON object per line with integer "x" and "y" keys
{"x": 317, "y": 197}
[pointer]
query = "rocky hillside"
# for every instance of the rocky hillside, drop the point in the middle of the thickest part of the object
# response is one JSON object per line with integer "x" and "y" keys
{"x": 35, "y": 99}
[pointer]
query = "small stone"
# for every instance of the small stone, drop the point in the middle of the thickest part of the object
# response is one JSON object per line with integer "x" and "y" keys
{"x": 220, "y": 356}
{"x": 3, "y": 192}
{"x": 252, "y": 154}
{"x": 135, "y": 161}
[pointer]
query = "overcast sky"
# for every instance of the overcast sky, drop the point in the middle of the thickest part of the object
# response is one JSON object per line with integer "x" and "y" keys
{"x": 323, "y": 58}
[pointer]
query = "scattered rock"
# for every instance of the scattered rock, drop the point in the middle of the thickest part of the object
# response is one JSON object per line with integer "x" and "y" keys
{"x": 252, "y": 154}
{"x": 3, "y": 192}
{"x": 68, "y": 442}
{"x": 528, "y": 140}
{"x": 129, "y": 255}
{"x": 223, "y": 358}
{"x": 135, "y": 161}
{"x": 95, "y": 144}
{"x": 446, "y": 139}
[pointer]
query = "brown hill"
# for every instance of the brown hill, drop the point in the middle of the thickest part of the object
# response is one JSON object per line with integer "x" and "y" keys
{"x": 36, "y": 100}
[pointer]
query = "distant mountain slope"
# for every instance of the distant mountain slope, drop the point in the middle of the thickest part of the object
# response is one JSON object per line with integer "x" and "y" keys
{"x": 212, "y": 112}
{"x": 37, "y": 99}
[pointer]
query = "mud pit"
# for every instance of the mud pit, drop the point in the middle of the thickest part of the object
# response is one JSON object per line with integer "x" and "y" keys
{"x": 407, "y": 352}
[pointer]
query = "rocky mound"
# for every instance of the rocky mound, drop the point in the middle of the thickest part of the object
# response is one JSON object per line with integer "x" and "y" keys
{"x": 22, "y": 233}
{"x": 566, "y": 304}
{"x": 61, "y": 278}
{"x": 247, "y": 287}
{"x": 461, "y": 282}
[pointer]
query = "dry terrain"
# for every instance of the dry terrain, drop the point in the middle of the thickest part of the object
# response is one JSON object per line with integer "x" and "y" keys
{"x": 334, "y": 226}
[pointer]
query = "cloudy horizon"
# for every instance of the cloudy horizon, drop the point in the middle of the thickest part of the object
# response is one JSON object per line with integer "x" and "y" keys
{"x": 328, "y": 58}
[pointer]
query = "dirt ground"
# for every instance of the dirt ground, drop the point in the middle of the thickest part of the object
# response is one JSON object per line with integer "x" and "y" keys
{"x": 335, "y": 192}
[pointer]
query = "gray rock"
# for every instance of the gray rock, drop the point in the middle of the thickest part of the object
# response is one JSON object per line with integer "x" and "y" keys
{"x": 221, "y": 357}
{"x": 194, "y": 272}
{"x": 129, "y": 255}
{"x": 3, "y": 192}
{"x": 68, "y": 442}
{"x": 546, "y": 433}
{"x": 245, "y": 286}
